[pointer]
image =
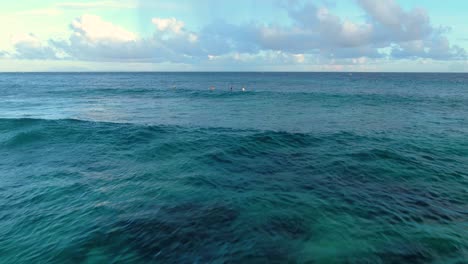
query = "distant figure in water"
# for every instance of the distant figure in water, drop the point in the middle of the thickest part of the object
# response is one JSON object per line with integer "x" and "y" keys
{"x": 243, "y": 89}
{"x": 231, "y": 88}
{"x": 212, "y": 88}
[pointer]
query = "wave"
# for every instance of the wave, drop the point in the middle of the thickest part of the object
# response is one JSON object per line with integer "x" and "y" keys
{"x": 366, "y": 98}
{"x": 70, "y": 124}
{"x": 264, "y": 152}
{"x": 27, "y": 129}
{"x": 35, "y": 129}
{"x": 231, "y": 149}
{"x": 348, "y": 158}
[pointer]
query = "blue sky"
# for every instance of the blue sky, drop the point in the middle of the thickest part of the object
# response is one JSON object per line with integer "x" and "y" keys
{"x": 241, "y": 35}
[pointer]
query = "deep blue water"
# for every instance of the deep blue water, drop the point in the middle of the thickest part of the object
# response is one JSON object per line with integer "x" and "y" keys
{"x": 299, "y": 168}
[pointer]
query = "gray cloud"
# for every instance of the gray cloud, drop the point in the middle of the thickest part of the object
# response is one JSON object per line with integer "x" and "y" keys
{"x": 30, "y": 47}
{"x": 27, "y": 51}
{"x": 387, "y": 25}
{"x": 410, "y": 34}
{"x": 438, "y": 48}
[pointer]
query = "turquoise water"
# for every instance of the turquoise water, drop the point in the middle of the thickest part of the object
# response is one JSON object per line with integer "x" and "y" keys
{"x": 299, "y": 168}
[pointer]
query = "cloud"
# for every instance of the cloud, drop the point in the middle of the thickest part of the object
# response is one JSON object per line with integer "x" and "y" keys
{"x": 323, "y": 28}
{"x": 438, "y": 48}
{"x": 388, "y": 25}
{"x": 28, "y": 46}
{"x": 261, "y": 61}
{"x": 299, "y": 58}
{"x": 386, "y": 12}
{"x": 93, "y": 39}
{"x": 392, "y": 23}
{"x": 315, "y": 34}
{"x": 94, "y": 29}
{"x": 168, "y": 24}
{"x": 317, "y": 30}
{"x": 410, "y": 34}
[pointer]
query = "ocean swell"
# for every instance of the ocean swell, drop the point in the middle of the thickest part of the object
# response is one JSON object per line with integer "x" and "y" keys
{"x": 128, "y": 192}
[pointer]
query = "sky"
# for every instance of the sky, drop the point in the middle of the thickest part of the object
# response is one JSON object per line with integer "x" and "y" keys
{"x": 234, "y": 35}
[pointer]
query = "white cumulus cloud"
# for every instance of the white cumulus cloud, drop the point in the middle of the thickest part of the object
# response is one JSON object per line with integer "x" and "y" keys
{"x": 168, "y": 24}
{"x": 94, "y": 29}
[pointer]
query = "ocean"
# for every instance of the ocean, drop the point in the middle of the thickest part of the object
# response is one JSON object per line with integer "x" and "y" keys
{"x": 298, "y": 168}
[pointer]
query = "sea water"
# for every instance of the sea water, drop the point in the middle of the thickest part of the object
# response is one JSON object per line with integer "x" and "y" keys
{"x": 179, "y": 168}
